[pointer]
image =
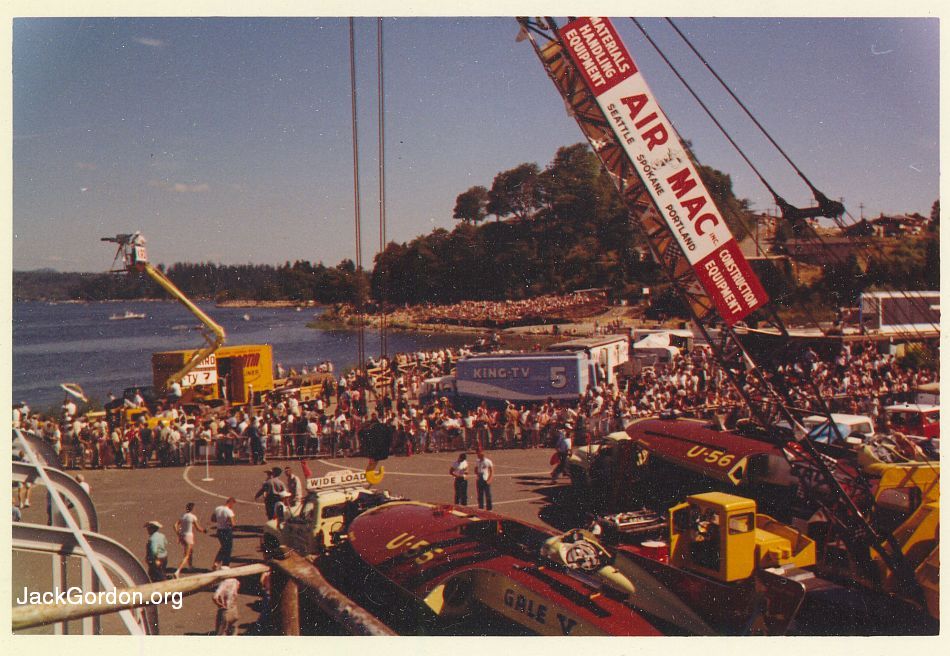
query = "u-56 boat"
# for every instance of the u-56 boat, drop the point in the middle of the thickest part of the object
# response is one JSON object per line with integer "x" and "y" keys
{"x": 721, "y": 568}
{"x": 462, "y": 566}
{"x": 426, "y": 568}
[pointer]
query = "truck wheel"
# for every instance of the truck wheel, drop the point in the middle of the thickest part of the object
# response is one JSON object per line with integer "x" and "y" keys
{"x": 579, "y": 478}
{"x": 270, "y": 546}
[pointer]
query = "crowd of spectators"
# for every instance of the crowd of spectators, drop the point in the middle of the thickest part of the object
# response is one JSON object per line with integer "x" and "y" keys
{"x": 861, "y": 379}
{"x": 497, "y": 314}
{"x": 509, "y": 313}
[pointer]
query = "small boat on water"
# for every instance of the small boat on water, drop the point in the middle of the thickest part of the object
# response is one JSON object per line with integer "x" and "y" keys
{"x": 128, "y": 314}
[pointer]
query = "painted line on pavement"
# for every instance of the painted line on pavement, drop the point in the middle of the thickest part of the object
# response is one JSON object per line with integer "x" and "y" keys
{"x": 185, "y": 471}
{"x": 501, "y": 503}
{"x": 390, "y": 472}
{"x": 184, "y": 476}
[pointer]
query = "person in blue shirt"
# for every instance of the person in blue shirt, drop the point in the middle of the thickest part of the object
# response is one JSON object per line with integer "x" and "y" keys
{"x": 156, "y": 551}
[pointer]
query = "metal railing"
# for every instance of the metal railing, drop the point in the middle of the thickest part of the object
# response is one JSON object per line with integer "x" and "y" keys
{"x": 72, "y": 533}
{"x": 294, "y": 574}
{"x": 75, "y": 539}
{"x": 292, "y": 577}
{"x": 139, "y": 596}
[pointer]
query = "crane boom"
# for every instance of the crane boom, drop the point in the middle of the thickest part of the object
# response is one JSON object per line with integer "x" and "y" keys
{"x": 603, "y": 91}
{"x": 135, "y": 260}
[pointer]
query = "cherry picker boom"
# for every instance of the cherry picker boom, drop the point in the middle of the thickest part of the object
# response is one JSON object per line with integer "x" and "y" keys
{"x": 135, "y": 260}
{"x": 688, "y": 238}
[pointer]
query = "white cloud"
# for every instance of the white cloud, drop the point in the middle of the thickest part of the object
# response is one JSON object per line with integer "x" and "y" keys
{"x": 180, "y": 187}
{"x": 183, "y": 188}
{"x": 151, "y": 43}
{"x": 86, "y": 166}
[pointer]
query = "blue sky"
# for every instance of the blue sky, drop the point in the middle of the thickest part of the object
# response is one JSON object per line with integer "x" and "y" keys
{"x": 229, "y": 139}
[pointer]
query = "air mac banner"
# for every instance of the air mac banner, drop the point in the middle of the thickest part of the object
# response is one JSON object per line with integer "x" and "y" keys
{"x": 663, "y": 165}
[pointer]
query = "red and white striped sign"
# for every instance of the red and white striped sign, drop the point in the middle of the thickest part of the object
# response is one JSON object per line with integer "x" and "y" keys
{"x": 664, "y": 166}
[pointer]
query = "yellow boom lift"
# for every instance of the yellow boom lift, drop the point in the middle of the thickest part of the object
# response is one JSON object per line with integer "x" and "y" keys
{"x": 135, "y": 260}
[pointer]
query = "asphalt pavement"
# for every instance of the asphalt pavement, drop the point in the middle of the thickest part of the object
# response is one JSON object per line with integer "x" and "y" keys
{"x": 125, "y": 499}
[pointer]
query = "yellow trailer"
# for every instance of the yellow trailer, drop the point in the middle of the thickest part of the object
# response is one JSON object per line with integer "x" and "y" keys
{"x": 235, "y": 374}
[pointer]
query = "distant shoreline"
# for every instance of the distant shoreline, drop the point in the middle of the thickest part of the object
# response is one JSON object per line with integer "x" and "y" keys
{"x": 517, "y": 336}
{"x": 198, "y": 299}
{"x": 512, "y": 338}
{"x": 266, "y": 304}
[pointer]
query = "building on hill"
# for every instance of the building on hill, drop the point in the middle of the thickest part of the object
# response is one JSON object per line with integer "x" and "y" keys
{"x": 824, "y": 250}
{"x": 862, "y": 228}
{"x": 898, "y": 226}
{"x": 774, "y": 271}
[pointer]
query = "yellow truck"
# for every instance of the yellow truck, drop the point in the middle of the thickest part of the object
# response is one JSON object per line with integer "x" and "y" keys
{"x": 236, "y": 374}
{"x": 305, "y": 387}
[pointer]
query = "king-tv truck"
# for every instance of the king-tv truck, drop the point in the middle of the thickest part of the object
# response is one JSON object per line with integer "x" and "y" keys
{"x": 523, "y": 377}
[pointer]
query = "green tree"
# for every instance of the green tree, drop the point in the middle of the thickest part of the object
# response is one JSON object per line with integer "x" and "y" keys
{"x": 569, "y": 185}
{"x": 734, "y": 210}
{"x": 843, "y": 281}
{"x": 932, "y": 263}
{"x": 471, "y": 206}
{"x": 515, "y": 192}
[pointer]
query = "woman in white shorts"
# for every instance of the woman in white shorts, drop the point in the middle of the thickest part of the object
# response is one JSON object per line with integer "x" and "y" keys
{"x": 185, "y": 528}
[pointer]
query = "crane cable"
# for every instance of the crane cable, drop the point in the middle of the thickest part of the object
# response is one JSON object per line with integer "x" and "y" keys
{"x": 360, "y": 344}
{"x": 383, "y": 347}
{"x": 742, "y": 106}
{"x": 724, "y": 132}
{"x": 822, "y": 200}
{"x": 893, "y": 559}
{"x": 836, "y": 217}
{"x": 705, "y": 108}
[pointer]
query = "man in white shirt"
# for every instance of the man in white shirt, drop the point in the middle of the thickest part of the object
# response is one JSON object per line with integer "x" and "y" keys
{"x": 223, "y": 517}
{"x": 174, "y": 392}
{"x": 563, "y": 449}
{"x": 469, "y": 423}
{"x": 459, "y": 471}
{"x": 69, "y": 409}
{"x": 484, "y": 473}
{"x": 340, "y": 429}
{"x": 294, "y": 487}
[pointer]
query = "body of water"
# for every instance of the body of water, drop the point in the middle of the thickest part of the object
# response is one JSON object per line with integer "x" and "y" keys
{"x": 77, "y": 343}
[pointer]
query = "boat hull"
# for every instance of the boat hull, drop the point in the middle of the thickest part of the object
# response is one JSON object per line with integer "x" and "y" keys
{"x": 456, "y": 561}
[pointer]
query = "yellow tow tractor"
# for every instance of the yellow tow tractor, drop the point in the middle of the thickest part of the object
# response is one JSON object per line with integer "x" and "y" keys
{"x": 723, "y": 567}
{"x": 737, "y": 571}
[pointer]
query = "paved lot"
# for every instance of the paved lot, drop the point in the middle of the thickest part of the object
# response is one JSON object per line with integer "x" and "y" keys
{"x": 126, "y": 499}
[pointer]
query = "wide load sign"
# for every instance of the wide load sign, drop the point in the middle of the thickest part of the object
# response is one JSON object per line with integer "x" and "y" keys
{"x": 336, "y": 478}
{"x": 664, "y": 166}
